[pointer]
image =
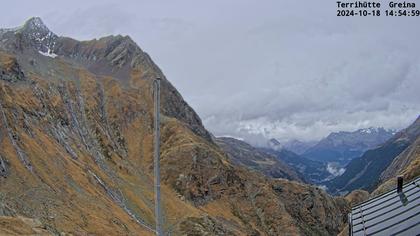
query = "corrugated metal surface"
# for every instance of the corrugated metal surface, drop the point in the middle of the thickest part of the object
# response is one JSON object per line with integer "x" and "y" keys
{"x": 389, "y": 214}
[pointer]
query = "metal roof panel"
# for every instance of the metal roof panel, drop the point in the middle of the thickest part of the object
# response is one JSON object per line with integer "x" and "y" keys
{"x": 391, "y": 213}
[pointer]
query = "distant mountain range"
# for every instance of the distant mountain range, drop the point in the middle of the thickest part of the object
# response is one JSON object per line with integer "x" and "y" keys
{"x": 294, "y": 145}
{"x": 313, "y": 171}
{"x": 347, "y": 161}
{"x": 341, "y": 147}
{"x": 242, "y": 153}
{"x": 319, "y": 162}
{"x": 299, "y": 147}
{"x": 365, "y": 172}
{"x": 370, "y": 153}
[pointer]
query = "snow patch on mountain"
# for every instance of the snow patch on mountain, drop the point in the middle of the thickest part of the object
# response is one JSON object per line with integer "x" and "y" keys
{"x": 48, "y": 54}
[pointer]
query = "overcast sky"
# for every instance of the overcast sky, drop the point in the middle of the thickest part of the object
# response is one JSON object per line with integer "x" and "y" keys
{"x": 261, "y": 69}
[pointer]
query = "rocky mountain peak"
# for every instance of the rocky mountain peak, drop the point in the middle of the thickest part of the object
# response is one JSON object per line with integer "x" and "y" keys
{"x": 274, "y": 141}
{"x": 338, "y": 138}
{"x": 375, "y": 130}
{"x": 35, "y": 24}
{"x": 39, "y": 36}
{"x": 32, "y": 35}
{"x": 35, "y": 36}
{"x": 275, "y": 144}
{"x": 116, "y": 56}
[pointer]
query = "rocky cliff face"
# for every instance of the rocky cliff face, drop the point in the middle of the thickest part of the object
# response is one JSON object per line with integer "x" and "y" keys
{"x": 76, "y": 150}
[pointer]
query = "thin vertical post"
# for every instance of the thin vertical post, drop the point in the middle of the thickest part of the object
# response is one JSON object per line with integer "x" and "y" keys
{"x": 158, "y": 212}
{"x": 350, "y": 220}
{"x": 400, "y": 182}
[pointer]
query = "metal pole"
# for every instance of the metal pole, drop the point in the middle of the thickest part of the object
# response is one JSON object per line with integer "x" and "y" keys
{"x": 158, "y": 212}
{"x": 349, "y": 218}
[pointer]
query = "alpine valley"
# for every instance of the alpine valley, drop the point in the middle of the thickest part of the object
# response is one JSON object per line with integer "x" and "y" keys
{"x": 76, "y": 153}
{"x": 76, "y": 138}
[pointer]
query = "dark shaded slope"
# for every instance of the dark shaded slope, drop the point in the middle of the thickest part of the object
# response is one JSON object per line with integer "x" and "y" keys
{"x": 364, "y": 172}
{"x": 406, "y": 164}
{"x": 313, "y": 171}
{"x": 242, "y": 153}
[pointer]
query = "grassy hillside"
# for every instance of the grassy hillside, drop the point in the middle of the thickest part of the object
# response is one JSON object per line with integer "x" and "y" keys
{"x": 76, "y": 137}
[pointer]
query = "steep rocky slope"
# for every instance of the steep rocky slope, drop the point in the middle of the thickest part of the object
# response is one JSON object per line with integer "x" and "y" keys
{"x": 76, "y": 150}
{"x": 17, "y": 226}
{"x": 406, "y": 164}
{"x": 357, "y": 196}
{"x": 365, "y": 172}
{"x": 244, "y": 154}
{"x": 343, "y": 146}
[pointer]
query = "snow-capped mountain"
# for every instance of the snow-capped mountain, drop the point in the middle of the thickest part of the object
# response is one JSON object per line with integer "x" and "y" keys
{"x": 343, "y": 146}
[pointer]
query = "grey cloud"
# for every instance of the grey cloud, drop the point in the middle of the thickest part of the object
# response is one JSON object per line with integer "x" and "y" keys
{"x": 260, "y": 69}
